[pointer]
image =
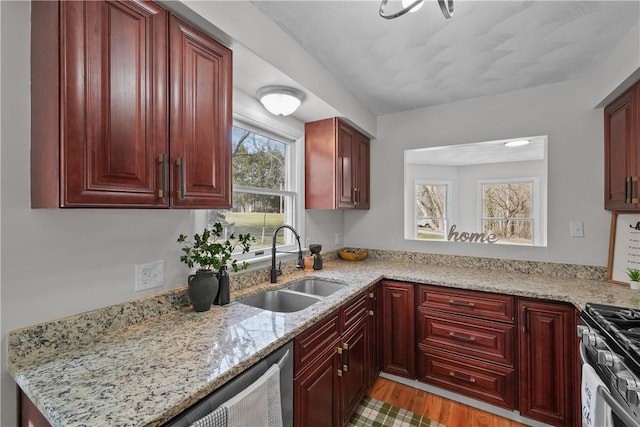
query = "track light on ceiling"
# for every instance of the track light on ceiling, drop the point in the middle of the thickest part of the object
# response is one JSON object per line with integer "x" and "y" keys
{"x": 280, "y": 100}
{"x": 446, "y": 6}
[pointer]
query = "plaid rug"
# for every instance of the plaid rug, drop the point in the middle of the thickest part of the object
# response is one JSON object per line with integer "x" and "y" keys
{"x": 374, "y": 413}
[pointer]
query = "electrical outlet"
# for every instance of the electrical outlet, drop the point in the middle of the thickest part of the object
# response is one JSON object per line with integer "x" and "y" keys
{"x": 336, "y": 238}
{"x": 150, "y": 275}
{"x": 576, "y": 229}
{"x": 307, "y": 242}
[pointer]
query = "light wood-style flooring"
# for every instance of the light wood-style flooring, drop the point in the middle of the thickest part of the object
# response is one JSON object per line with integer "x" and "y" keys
{"x": 436, "y": 408}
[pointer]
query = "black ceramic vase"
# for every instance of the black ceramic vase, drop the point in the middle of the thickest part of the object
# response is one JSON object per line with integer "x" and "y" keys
{"x": 203, "y": 288}
{"x": 223, "y": 292}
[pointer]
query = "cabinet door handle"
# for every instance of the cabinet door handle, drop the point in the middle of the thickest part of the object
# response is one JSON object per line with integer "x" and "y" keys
{"x": 183, "y": 177}
{"x": 626, "y": 189}
{"x": 371, "y": 313}
{"x": 339, "y": 372}
{"x": 462, "y": 303}
{"x": 357, "y": 196}
{"x": 345, "y": 366}
{"x": 525, "y": 326}
{"x": 461, "y": 337}
{"x": 465, "y": 379}
{"x": 633, "y": 179}
{"x": 162, "y": 159}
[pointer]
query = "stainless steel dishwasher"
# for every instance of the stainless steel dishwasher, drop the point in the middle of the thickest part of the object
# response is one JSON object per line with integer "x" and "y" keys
{"x": 283, "y": 356}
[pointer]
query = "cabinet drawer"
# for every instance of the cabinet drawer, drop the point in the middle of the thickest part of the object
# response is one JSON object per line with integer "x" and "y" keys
{"x": 481, "y": 339}
{"x": 311, "y": 343}
{"x": 355, "y": 310}
{"x": 489, "y": 383}
{"x": 477, "y": 304}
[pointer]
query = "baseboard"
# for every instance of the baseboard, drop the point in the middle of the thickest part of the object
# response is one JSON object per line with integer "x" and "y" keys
{"x": 505, "y": 413}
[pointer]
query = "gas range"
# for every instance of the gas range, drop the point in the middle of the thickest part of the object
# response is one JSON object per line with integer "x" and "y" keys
{"x": 610, "y": 339}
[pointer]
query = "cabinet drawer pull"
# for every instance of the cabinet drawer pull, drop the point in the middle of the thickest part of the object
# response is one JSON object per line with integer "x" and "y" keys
{"x": 462, "y": 303}
{"x": 458, "y": 377}
{"x": 371, "y": 313}
{"x": 339, "y": 349}
{"x": 162, "y": 159}
{"x": 525, "y": 326}
{"x": 339, "y": 372}
{"x": 461, "y": 337}
{"x": 345, "y": 368}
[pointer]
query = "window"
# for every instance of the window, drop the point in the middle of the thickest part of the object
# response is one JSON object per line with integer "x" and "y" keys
{"x": 508, "y": 210}
{"x": 432, "y": 210}
{"x": 264, "y": 189}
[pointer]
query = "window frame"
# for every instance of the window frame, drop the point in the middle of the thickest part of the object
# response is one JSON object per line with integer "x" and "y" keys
{"x": 448, "y": 206}
{"x": 536, "y": 215}
{"x": 294, "y": 216}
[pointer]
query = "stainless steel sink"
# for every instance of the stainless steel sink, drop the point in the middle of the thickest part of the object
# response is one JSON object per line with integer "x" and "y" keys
{"x": 280, "y": 301}
{"x": 314, "y": 286}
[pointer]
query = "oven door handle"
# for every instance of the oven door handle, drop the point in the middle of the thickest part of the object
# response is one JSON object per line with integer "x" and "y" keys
{"x": 621, "y": 412}
{"x": 617, "y": 408}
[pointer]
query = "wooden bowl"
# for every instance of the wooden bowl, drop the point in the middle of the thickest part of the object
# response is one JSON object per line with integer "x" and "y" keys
{"x": 353, "y": 254}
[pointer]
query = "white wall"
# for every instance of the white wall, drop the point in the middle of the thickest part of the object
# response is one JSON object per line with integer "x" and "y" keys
{"x": 576, "y": 169}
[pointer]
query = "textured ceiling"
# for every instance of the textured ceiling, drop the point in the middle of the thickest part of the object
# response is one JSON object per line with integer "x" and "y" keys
{"x": 423, "y": 59}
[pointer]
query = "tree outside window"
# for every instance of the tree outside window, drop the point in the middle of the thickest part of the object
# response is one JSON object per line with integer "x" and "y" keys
{"x": 262, "y": 194}
{"x": 431, "y": 210}
{"x": 507, "y": 211}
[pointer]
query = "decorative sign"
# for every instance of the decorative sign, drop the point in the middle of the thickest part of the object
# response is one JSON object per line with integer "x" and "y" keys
{"x": 463, "y": 236}
{"x": 624, "y": 246}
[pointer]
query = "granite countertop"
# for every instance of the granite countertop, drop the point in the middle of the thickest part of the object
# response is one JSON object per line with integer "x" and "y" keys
{"x": 145, "y": 373}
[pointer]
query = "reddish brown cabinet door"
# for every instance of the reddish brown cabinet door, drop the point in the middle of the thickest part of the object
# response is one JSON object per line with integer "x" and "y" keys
{"x": 99, "y": 130}
{"x": 316, "y": 402}
{"x": 362, "y": 172}
{"x": 375, "y": 300}
{"x": 200, "y": 128}
{"x": 28, "y": 414}
{"x": 345, "y": 166}
{"x": 547, "y": 362}
{"x": 622, "y": 152}
{"x": 356, "y": 354}
{"x": 398, "y": 335}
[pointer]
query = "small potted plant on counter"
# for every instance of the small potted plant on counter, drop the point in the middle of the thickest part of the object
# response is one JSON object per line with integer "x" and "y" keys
{"x": 211, "y": 254}
{"x": 634, "y": 278}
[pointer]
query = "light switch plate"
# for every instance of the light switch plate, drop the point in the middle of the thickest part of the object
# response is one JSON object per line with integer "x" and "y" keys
{"x": 576, "y": 229}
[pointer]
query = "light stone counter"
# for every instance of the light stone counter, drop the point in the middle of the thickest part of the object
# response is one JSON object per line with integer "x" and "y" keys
{"x": 143, "y": 362}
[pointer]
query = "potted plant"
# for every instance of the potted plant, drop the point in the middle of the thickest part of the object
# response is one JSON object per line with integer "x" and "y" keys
{"x": 211, "y": 254}
{"x": 634, "y": 278}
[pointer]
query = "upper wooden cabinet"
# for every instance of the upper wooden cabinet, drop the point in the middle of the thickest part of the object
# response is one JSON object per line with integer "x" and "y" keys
{"x": 622, "y": 152}
{"x": 101, "y": 77}
{"x": 336, "y": 166}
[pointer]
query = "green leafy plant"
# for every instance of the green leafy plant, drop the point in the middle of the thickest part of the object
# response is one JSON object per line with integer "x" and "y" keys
{"x": 634, "y": 275}
{"x": 210, "y": 252}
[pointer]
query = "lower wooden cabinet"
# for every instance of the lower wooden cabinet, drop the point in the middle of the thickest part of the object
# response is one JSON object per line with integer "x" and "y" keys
{"x": 333, "y": 364}
{"x": 547, "y": 361}
{"x": 398, "y": 332}
{"x": 28, "y": 414}
{"x": 315, "y": 402}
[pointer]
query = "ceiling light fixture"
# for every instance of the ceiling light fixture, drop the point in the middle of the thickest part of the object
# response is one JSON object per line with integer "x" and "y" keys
{"x": 280, "y": 100}
{"x": 446, "y": 6}
{"x": 517, "y": 143}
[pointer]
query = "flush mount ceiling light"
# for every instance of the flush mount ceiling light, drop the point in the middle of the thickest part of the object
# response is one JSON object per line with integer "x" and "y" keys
{"x": 517, "y": 143}
{"x": 280, "y": 100}
{"x": 446, "y": 6}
